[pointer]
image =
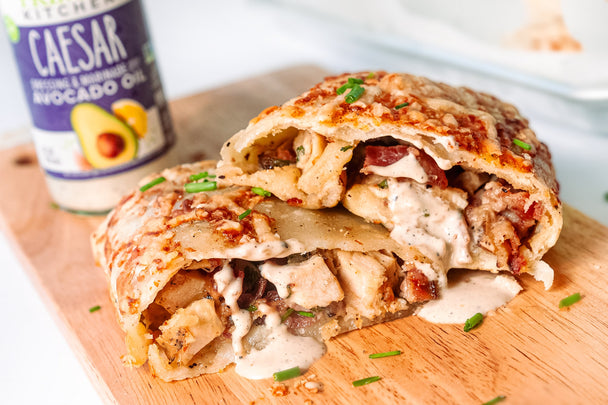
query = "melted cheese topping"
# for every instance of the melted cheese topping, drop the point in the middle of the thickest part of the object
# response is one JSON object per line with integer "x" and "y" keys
{"x": 468, "y": 293}
{"x": 282, "y": 351}
{"x": 408, "y": 166}
{"x": 424, "y": 219}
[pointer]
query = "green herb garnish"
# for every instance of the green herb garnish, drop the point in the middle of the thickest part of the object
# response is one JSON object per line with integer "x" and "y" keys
{"x": 299, "y": 152}
{"x": 95, "y": 308}
{"x": 260, "y": 191}
{"x": 306, "y": 313}
{"x": 566, "y": 302}
{"x": 365, "y": 381}
{"x": 286, "y": 374}
{"x": 383, "y": 184}
{"x": 244, "y": 214}
{"x": 252, "y": 308}
{"x": 522, "y": 144}
{"x": 355, "y": 93}
{"x": 606, "y": 196}
{"x": 198, "y": 187}
{"x": 385, "y": 354}
{"x": 54, "y": 205}
{"x": 400, "y": 106}
{"x": 473, "y": 321}
{"x": 496, "y": 400}
{"x": 287, "y": 314}
{"x": 371, "y": 75}
{"x": 345, "y": 148}
{"x": 151, "y": 184}
{"x": 201, "y": 175}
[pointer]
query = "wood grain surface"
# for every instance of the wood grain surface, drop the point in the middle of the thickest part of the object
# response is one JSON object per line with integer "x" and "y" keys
{"x": 530, "y": 352}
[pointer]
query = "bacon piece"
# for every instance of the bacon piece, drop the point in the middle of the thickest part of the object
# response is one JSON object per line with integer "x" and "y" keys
{"x": 384, "y": 155}
{"x": 500, "y": 221}
{"x": 418, "y": 287}
{"x": 387, "y": 155}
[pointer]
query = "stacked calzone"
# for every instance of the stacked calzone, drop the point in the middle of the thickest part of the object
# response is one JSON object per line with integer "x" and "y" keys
{"x": 344, "y": 207}
{"x": 456, "y": 173}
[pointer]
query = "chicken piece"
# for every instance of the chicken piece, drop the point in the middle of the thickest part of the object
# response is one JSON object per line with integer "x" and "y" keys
{"x": 184, "y": 288}
{"x": 189, "y": 330}
{"x": 369, "y": 201}
{"x": 368, "y": 280}
{"x": 309, "y": 283}
{"x": 308, "y": 147}
{"x": 325, "y": 178}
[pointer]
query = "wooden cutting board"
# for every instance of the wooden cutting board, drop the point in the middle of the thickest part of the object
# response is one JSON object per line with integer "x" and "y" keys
{"x": 530, "y": 352}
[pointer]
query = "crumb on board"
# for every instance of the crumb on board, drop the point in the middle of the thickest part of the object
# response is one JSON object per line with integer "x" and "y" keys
{"x": 310, "y": 384}
{"x": 279, "y": 389}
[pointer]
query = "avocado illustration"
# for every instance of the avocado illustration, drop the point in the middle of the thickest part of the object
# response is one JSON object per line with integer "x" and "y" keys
{"x": 106, "y": 141}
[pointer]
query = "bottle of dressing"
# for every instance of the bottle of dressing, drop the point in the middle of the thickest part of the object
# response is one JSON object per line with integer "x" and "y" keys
{"x": 100, "y": 118}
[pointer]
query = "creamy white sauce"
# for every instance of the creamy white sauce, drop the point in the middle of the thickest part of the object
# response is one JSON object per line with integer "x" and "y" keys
{"x": 282, "y": 351}
{"x": 468, "y": 293}
{"x": 408, "y": 166}
{"x": 309, "y": 283}
{"x": 425, "y": 220}
{"x": 231, "y": 288}
{"x": 543, "y": 272}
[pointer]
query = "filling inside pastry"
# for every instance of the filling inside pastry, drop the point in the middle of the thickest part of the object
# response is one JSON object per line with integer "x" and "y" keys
{"x": 460, "y": 216}
{"x": 218, "y": 312}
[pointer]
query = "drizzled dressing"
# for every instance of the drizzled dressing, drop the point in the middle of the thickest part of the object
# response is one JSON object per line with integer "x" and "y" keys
{"x": 282, "y": 351}
{"x": 469, "y": 292}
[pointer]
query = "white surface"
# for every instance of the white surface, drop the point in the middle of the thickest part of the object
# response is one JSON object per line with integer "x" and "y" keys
{"x": 200, "y": 45}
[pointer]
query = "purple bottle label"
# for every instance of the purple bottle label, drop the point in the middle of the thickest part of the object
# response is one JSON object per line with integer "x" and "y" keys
{"x": 92, "y": 85}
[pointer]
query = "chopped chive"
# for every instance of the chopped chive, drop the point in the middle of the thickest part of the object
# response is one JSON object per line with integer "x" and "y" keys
{"x": 371, "y": 75}
{"x": 522, "y": 144}
{"x": 566, "y": 302}
{"x": 496, "y": 400}
{"x": 351, "y": 84}
{"x": 299, "y": 152}
{"x": 151, "y": 184}
{"x": 287, "y": 374}
{"x": 287, "y": 314}
{"x": 383, "y": 184}
{"x": 252, "y": 308}
{"x": 606, "y": 196}
{"x": 343, "y": 88}
{"x": 400, "y": 106}
{"x": 306, "y": 313}
{"x": 365, "y": 381}
{"x": 54, "y": 205}
{"x": 244, "y": 214}
{"x": 473, "y": 321}
{"x": 95, "y": 308}
{"x": 385, "y": 354}
{"x": 354, "y": 94}
{"x": 345, "y": 148}
{"x": 198, "y": 187}
{"x": 260, "y": 191}
{"x": 201, "y": 175}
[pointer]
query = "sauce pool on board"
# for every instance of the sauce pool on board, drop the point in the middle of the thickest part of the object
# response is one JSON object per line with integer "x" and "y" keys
{"x": 100, "y": 118}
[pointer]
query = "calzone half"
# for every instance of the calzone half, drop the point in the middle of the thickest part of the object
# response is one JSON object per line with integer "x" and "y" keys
{"x": 204, "y": 274}
{"x": 454, "y": 172}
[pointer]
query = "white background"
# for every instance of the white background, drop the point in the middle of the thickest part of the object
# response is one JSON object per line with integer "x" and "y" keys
{"x": 206, "y": 44}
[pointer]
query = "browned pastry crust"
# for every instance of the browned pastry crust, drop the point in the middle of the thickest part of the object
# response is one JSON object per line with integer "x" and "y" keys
{"x": 455, "y": 126}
